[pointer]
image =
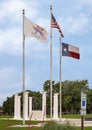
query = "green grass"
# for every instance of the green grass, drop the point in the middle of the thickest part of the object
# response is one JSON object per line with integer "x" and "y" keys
{"x": 6, "y": 123}
{"x": 71, "y": 116}
{"x": 74, "y": 116}
{"x": 6, "y": 116}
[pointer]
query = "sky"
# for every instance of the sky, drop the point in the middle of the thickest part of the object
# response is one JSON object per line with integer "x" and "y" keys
{"x": 75, "y": 20}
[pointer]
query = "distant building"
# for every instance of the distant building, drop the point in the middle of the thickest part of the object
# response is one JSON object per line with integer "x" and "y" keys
{"x": 1, "y": 112}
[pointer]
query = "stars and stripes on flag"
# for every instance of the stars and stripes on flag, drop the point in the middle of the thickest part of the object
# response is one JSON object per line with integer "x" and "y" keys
{"x": 54, "y": 24}
{"x": 34, "y": 30}
{"x": 70, "y": 50}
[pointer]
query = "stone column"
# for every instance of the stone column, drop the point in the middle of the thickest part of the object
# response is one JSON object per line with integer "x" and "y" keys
{"x": 55, "y": 113}
{"x": 30, "y": 107}
{"x": 44, "y": 105}
{"x": 26, "y": 105}
{"x": 17, "y": 107}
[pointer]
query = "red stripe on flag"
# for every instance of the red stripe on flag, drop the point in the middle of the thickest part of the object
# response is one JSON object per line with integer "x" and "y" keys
{"x": 74, "y": 55}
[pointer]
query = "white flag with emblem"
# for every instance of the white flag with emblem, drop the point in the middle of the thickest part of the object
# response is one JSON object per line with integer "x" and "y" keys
{"x": 34, "y": 30}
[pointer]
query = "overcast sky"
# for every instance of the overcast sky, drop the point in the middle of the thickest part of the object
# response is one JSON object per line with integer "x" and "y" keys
{"x": 75, "y": 20}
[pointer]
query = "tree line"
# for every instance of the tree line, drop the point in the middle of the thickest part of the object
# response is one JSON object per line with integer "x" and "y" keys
{"x": 71, "y": 97}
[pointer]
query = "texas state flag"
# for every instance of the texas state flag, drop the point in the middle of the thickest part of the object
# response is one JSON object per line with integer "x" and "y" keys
{"x": 70, "y": 50}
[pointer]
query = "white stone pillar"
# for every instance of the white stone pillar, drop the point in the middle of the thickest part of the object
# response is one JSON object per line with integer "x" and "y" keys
{"x": 26, "y": 105}
{"x": 17, "y": 107}
{"x": 44, "y": 105}
{"x": 30, "y": 106}
{"x": 55, "y": 112}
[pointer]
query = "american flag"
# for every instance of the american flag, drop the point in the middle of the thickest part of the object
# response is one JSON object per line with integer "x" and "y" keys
{"x": 54, "y": 24}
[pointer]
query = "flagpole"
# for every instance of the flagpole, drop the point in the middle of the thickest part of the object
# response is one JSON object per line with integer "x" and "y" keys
{"x": 50, "y": 64}
{"x": 23, "y": 65}
{"x": 60, "y": 80}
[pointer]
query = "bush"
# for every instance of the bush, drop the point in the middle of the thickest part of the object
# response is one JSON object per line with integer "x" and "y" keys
{"x": 66, "y": 126}
{"x": 53, "y": 125}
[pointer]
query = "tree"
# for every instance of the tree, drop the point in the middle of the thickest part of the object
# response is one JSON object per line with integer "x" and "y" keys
{"x": 89, "y": 101}
{"x": 71, "y": 94}
{"x": 8, "y": 105}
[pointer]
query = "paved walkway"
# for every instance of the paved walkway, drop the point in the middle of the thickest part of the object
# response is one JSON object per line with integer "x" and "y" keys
{"x": 76, "y": 122}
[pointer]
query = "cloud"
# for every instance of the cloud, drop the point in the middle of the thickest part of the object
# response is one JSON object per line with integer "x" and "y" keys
{"x": 11, "y": 41}
{"x": 75, "y": 17}
{"x": 87, "y": 3}
{"x": 13, "y": 9}
{"x": 9, "y": 81}
{"x": 77, "y": 26}
{"x": 10, "y": 7}
{"x": 6, "y": 75}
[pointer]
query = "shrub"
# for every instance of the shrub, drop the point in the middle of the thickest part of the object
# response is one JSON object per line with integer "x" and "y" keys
{"x": 66, "y": 126}
{"x": 53, "y": 125}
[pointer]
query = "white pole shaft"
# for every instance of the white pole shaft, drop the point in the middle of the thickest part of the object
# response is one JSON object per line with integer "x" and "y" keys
{"x": 23, "y": 60}
{"x": 60, "y": 79}
{"x": 50, "y": 65}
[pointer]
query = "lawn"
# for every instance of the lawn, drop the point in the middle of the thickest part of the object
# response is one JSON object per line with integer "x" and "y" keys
{"x": 6, "y": 123}
{"x": 76, "y": 116}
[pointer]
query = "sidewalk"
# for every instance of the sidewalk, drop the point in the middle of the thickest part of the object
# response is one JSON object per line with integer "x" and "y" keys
{"x": 76, "y": 122}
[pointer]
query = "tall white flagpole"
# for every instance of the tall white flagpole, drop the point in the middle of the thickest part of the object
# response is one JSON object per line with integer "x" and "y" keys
{"x": 50, "y": 63}
{"x": 60, "y": 79}
{"x": 23, "y": 60}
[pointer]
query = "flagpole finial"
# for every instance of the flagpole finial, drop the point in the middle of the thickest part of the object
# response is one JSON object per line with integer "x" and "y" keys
{"x": 51, "y": 6}
{"x": 23, "y": 11}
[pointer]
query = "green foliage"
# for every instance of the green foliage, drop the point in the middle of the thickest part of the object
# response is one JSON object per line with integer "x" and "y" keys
{"x": 53, "y": 125}
{"x": 71, "y": 95}
{"x": 67, "y": 127}
{"x": 8, "y": 105}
